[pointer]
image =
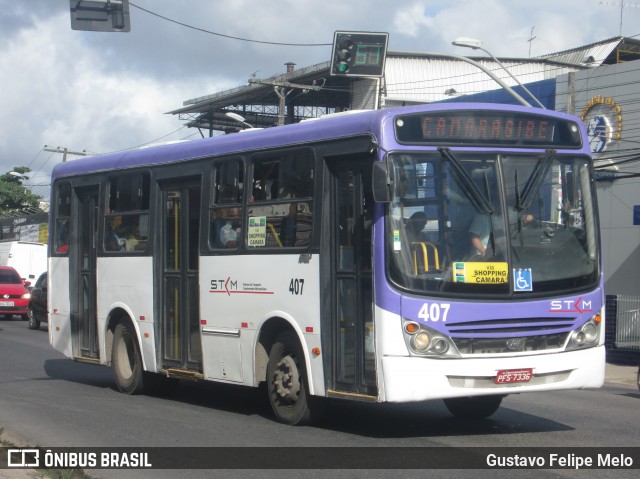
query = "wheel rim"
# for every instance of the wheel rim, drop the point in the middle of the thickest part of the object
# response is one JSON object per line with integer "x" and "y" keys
{"x": 125, "y": 364}
{"x": 32, "y": 319}
{"x": 287, "y": 380}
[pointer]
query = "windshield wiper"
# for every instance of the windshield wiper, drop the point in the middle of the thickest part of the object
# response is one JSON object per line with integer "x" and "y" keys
{"x": 535, "y": 181}
{"x": 480, "y": 201}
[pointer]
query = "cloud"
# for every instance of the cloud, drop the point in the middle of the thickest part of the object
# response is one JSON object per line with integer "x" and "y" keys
{"x": 411, "y": 19}
{"x": 59, "y": 91}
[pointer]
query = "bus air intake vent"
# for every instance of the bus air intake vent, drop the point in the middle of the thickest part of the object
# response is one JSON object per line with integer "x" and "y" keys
{"x": 521, "y": 344}
{"x": 492, "y": 328}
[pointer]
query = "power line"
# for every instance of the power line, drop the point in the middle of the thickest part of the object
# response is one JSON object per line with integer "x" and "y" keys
{"x": 228, "y": 36}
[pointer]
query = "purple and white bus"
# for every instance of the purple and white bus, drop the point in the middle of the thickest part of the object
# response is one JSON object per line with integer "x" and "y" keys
{"x": 446, "y": 251}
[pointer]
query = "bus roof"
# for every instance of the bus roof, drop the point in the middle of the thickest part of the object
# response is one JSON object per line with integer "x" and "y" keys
{"x": 253, "y": 140}
{"x": 366, "y": 122}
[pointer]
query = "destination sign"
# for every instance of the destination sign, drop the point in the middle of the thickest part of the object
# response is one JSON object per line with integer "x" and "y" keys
{"x": 487, "y": 127}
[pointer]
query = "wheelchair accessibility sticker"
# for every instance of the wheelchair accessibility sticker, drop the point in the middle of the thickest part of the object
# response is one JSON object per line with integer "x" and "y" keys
{"x": 522, "y": 280}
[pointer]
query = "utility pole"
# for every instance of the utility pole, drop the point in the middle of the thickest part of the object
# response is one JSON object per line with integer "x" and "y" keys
{"x": 531, "y": 39}
{"x": 280, "y": 87}
{"x": 621, "y": 4}
{"x": 65, "y": 152}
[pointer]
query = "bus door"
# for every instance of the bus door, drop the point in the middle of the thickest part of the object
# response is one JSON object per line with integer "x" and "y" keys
{"x": 352, "y": 281}
{"x": 180, "y": 342}
{"x": 83, "y": 265}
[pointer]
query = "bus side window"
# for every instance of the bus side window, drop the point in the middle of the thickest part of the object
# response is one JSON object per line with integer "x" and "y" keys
{"x": 265, "y": 179}
{"x": 62, "y": 222}
{"x": 296, "y": 177}
{"x": 127, "y": 217}
{"x": 227, "y": 183}
{"x": 282, "y": 193}
{"x": 225, "y": 213}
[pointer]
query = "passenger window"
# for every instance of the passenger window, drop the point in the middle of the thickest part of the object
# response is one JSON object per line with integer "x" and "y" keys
{"x": 227, "y": 181}
{"x": 287, "y": 176}
{"x": 280, "y": 213}
{"x": 225, "y": 213}
{"x": 62, "y": 224}
{"x": 127, "y": 217}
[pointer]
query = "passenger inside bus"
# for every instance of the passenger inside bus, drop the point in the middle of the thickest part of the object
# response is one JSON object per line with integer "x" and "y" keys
{"x": 229, "y": 229}
{"x": 486, "y": 225}
{"x": 62, "y": 237}
{"x": 415, "y": 227}
{"x": 114, "y": 237}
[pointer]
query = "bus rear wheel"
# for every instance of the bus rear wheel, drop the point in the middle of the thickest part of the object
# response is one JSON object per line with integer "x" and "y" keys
{"x": 477, "y": 407}
{"x": 126, "y": 362}
{"x": 287, "y": 381}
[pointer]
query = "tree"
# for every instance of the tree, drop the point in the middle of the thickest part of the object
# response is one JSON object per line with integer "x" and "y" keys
{"x": 14, "y": 196}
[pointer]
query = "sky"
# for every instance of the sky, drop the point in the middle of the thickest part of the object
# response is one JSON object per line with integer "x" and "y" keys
{"x": 102, "y": 92}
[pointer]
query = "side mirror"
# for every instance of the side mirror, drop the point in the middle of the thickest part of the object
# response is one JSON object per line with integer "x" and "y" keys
{"x": 382, "y": 182}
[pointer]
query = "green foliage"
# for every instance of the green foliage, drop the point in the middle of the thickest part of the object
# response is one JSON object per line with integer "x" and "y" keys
{"x": 14, "y": 196}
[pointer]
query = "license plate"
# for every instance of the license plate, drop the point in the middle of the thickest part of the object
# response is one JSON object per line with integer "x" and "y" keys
{"x": 508, "y": 376}
{"x": 6, "y": 303}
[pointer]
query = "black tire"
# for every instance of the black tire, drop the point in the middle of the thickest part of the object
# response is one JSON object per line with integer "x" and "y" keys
{"x": 126, "y": 361}
{"x": 33, "y": 322}
{"x": 477, "y": 407}
{"x": 287, "y": 381}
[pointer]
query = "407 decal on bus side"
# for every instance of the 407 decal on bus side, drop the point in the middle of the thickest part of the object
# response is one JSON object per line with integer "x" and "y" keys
{"x": 296, "y": 286}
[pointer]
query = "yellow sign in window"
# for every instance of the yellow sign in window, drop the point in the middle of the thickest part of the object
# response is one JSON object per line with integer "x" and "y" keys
{"x": 480, "y": 272}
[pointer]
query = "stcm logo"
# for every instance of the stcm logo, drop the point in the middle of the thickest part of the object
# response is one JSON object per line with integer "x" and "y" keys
{"x": 223, "y": 286}
{"x": 571, "y": 306}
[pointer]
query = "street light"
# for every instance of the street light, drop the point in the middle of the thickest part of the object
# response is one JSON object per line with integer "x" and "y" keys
{"x": 477, "y": 45}
{"x": 238, "y": 118}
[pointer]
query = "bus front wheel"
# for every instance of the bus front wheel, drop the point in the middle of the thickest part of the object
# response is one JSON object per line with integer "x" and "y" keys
{"x": 477, "y": 407}
{"x": 126, "y": 362}
{"x": 287, "y": 382}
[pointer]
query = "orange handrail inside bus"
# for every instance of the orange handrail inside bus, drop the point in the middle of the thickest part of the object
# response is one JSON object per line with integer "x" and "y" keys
{"x": 423, "y": 246}
{"x": 275, "y": 234}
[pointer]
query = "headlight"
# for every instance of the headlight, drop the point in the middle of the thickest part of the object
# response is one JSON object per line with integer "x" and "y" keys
{"x": 424, "y": 341}
{"x": 421, "y": 341}
{"x": 26, "y": 296}
{"x": 586, "y": 336}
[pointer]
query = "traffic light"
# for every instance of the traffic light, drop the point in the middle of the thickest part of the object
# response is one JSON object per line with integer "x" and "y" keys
{"x": 359, "y": 54}
{"x": 100, "y": 15}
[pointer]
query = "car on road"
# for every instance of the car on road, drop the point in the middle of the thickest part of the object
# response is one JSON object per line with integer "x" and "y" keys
{"x": 14, "y": 296}
{"x": 38, "y": 303}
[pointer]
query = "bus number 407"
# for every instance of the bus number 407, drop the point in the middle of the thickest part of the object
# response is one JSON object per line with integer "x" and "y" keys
{"x": 296, "y": 285}
{"x": 434, "y": 312}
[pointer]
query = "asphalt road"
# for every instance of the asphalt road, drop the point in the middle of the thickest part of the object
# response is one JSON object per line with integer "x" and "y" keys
{"x": 50, "y": 401}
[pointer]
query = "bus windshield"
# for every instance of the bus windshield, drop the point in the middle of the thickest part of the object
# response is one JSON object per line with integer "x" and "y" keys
{"x": 499, "y": 224}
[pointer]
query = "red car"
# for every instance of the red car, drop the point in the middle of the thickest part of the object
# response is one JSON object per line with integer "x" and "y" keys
{"x": 14, "y": 296}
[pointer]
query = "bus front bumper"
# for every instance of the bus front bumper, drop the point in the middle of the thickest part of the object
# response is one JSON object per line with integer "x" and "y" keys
{"x": 417, "y": 379}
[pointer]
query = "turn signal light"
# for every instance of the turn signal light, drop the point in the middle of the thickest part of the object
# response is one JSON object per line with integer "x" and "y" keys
{"x": 411, "y": 328}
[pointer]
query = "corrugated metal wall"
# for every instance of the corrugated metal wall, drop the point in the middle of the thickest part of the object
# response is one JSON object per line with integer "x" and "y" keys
{"x": 425, "y": 80}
